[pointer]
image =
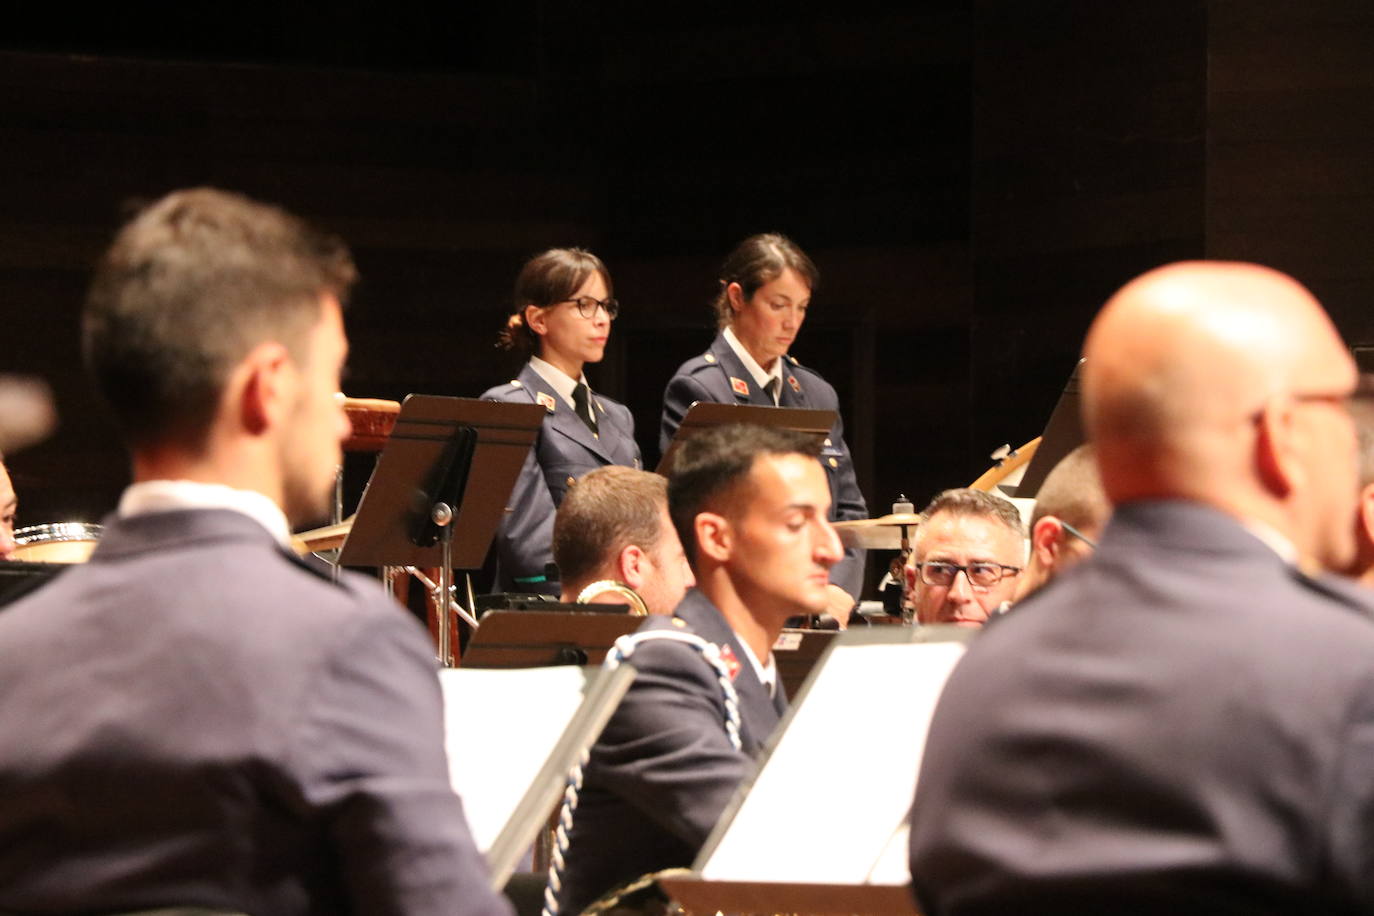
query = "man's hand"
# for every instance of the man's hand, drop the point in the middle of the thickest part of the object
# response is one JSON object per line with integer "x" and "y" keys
{"x": 839, "y": 604}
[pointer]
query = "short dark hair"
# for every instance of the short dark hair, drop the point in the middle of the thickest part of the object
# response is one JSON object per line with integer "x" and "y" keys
{"x": 966, "y": 501}
{"x": 757, "y": 260}
{"x": 604, "y": 512}
{"x": 546, "y": 278}
{"x": 711, "y": 465}
{"x": 189, "y": 286}
{"x": 1073, "y": 492}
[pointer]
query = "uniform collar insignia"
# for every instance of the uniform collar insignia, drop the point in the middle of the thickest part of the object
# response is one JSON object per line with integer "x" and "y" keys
{"x": 796, "y": 385}
{"x": 740, "y": 386}
{"x": 545, "y": 399}
{"x": 731, "y": 660}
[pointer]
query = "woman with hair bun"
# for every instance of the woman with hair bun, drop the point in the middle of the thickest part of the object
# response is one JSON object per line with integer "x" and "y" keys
{"x": 765, "y": 290}
{"x": 562, "y": 318}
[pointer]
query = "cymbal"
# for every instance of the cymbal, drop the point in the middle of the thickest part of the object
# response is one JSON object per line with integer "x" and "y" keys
{"x": 330, "y": 537}
{"x": 882, "y": 533}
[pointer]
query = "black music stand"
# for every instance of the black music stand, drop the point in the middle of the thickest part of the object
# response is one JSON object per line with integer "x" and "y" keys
{"x": 439, "y": 490}
{"x": 550, "y": 720}
{"x": 796, "y": 652}
{"x": 1063, "y": 433}
{"x": 702, "y": 415}
{"x": 535, "y": 638}
{"x": 749, "y": 863}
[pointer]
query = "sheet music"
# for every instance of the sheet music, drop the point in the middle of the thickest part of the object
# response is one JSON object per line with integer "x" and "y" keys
{"x": 500, "y": 725}
{"x": 833, "y": 797}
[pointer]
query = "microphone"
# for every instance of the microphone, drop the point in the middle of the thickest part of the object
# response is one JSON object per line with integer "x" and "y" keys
{"x": 27, "y": 414}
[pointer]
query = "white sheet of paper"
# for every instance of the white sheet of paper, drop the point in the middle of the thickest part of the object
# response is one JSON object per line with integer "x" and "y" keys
{"x": 500, "y": 726}
{"x": 834, "y": 795}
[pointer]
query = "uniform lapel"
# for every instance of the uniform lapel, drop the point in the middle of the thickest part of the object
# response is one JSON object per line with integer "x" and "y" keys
{"x": 735, "y": 373}
{"x": 616, "y": 440}
{"x": 563, "y": 420}
{"x": 758, "y": 712}
{"x": 793, "y": 394}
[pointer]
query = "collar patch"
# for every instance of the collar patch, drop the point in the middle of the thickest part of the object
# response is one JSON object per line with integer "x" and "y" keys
{"x": 796, "y": 385}
{"x": 731, "y": 660}
{"x": 740, "y": 386}
{"x": 546, "y": 399}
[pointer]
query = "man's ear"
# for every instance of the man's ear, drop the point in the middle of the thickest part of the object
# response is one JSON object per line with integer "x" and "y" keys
{"x": 631, "y": 566}
{"x": 714, "y": 536}
{"x": 1367, "y": 513}
{"x": 536, "y": 320}
{"x": 1046, "y": 540}
{"x": 262, "y": 388}
{"x": 1278, "y": 467}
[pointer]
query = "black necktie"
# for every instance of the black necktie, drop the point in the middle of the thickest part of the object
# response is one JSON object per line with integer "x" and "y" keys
{"x": 773, "y": 388}
{"x": 584, "y": 407}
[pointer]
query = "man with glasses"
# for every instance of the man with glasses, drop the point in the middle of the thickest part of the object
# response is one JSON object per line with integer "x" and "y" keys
{"x": 970, "y": 549}
{"x": 1186, "y": 723}
{"x": 1070, "y": 511}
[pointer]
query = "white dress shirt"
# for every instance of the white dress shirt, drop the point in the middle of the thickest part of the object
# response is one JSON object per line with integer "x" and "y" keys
{"x": 152, "y": 496}
{"x": 760, "y": 375}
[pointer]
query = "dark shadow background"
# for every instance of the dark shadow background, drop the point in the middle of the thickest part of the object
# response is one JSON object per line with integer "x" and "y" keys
{"x": 973, "y": 177}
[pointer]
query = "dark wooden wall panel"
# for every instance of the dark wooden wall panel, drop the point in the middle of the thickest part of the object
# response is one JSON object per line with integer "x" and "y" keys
{"x": 1088, "y": 169}
{"x": 1290, "y": 165}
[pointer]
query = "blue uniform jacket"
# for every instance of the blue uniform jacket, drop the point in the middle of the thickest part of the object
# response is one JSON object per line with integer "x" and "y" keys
{"x": 712, "y": 377}
{"x": 663, "y": 770}
{"x": 195, "y": 718}
{"x": 564, "y": 451}
{"x": 1182, "y": 724}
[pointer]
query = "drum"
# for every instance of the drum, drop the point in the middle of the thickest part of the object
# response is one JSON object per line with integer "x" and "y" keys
{"x": 63, "y": 542}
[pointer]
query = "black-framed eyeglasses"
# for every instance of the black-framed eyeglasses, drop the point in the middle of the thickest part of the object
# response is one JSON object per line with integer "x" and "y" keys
{"x": 587, "y": 306}
{"x": 1078, "y": 534}
{"x": 980, "y": 575}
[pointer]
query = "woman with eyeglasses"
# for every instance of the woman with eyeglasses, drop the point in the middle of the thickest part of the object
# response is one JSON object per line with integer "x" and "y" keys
{"x": 562, "y": 319}
{"x": 765, "y": 291}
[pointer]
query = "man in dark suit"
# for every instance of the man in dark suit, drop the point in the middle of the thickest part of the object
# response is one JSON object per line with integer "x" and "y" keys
{"x": 195, "y": 718}
{"x": 719, "y": 376}
{"x": 1185, "y": 721}
{"x": 750, "y": 506}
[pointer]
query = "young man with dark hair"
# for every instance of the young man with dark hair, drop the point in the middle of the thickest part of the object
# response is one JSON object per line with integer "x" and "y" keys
{"x": 750, "y": 506}
{"x": 194, "y": 717}
{"x": 613, "y": 541}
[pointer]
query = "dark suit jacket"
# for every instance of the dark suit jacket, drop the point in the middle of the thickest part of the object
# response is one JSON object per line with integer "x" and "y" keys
{"x": 563, "y": 452}
{"x": 1184, "y": 723}
{"x": 663, "y": 769}
{"x": 193, "y": 717}
{"x": 709, "y": 378}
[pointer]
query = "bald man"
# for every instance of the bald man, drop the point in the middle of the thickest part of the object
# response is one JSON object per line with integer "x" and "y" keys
{"x": 1185, "y": 724}
{"x": 1070, "y": 510}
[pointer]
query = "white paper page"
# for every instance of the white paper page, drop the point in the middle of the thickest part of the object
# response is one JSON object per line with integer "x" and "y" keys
{"x": 839, "y": 785}
{"x": 500, "y": 726}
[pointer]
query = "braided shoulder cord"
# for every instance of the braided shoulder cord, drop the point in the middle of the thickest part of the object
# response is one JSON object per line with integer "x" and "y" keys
{"x": 623, "y": 648}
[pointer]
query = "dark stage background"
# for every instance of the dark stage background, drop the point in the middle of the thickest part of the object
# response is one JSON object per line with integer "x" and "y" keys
{"x": 974, "y": 178}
